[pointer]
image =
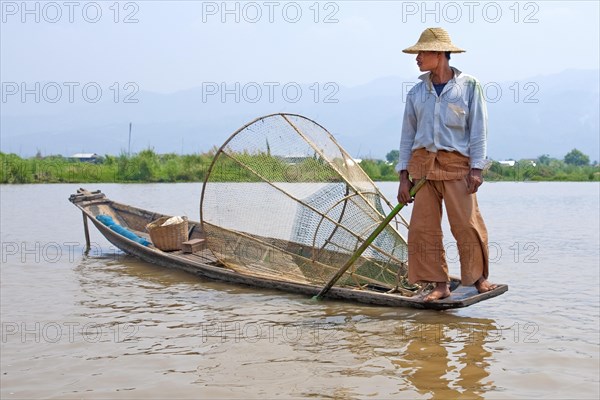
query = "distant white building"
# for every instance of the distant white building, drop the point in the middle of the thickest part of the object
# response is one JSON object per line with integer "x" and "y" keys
{"x": 508, "y": 163}
{"x": 511, "y": 163}
{"x": 85, "y": 157}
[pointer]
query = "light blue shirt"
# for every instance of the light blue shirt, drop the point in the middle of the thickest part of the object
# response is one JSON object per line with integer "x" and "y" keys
{"x": 456, "y": 120}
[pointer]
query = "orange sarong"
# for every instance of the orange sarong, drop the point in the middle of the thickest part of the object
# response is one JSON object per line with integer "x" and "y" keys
{"x": 446, "y": 181}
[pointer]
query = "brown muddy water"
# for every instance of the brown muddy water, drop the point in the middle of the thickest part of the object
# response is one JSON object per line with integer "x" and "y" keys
{"x": 105, "y": 325}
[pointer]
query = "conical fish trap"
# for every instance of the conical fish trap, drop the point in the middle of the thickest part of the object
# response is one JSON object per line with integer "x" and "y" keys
{"x": 283, "y": 200}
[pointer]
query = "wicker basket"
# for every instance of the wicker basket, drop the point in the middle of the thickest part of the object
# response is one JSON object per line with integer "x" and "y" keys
{"x": 168, "y": 237}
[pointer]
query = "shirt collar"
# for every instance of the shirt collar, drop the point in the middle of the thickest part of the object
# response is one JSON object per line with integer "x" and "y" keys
{"x": 426, "y": 77}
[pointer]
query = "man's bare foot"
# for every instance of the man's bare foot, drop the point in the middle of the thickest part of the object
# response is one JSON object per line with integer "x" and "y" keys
{"x": 441, "y": 291}
{"x": 483, "y": 285}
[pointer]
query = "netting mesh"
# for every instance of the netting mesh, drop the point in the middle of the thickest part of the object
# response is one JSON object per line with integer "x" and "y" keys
{"x": 284, "y": 200}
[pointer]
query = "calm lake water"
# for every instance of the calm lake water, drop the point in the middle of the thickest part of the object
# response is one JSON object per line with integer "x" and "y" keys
{"x": 106, "y": 325}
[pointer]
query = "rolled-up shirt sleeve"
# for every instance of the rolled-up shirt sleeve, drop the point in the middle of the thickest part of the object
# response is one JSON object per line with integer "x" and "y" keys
{"x": 477, "y": 128}
{"x": 409, "y": 130}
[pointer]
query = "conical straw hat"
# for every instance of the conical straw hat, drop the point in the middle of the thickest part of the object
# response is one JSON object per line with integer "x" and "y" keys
{"x": 434, "y": 39}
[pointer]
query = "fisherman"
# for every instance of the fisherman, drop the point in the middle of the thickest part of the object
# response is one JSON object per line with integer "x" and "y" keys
{"x": 444, "y": 137}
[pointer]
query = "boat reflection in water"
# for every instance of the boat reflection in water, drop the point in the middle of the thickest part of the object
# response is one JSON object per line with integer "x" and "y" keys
{"x": 231, "y": 339}
{"x": 416, "y": 354}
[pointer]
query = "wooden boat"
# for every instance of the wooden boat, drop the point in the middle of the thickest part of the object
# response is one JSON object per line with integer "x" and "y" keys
{"x": 204, "y": 264}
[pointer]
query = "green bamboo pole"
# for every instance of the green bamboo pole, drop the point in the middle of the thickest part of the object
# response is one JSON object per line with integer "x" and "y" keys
{"x": 367, "y": 242}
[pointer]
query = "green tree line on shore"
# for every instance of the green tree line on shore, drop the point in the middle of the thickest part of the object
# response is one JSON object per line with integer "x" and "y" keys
{"x": 148, "y": 166}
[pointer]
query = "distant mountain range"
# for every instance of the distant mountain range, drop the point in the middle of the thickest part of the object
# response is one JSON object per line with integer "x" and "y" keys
{"x": 541, "y": 115}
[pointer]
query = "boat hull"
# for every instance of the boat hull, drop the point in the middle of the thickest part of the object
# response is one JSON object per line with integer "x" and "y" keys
{"x": 204, "y": 265}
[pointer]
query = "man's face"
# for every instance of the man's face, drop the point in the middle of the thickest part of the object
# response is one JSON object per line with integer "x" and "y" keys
{"x": 428, "y": 60}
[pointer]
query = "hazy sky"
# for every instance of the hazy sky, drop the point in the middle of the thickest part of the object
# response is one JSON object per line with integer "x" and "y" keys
{"x": 167, "y": 46}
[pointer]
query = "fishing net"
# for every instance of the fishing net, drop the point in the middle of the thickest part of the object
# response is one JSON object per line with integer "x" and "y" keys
{"x": 283, "y": 200}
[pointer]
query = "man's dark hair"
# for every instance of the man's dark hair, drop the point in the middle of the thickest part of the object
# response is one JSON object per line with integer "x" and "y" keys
{"x": 448, "y": 55}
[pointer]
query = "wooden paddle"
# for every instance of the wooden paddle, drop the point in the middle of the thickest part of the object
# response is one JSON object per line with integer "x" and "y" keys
{"x": 367, "y": 242}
